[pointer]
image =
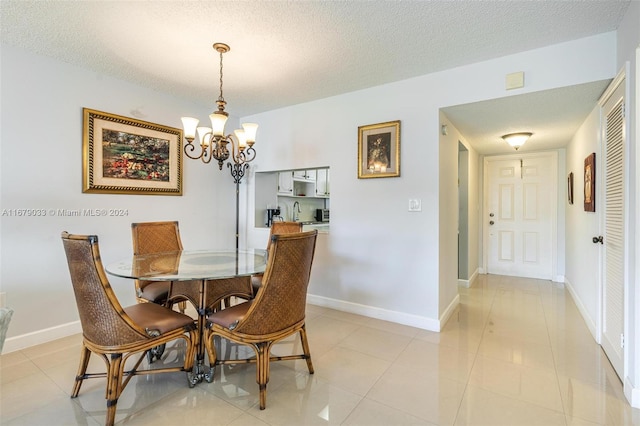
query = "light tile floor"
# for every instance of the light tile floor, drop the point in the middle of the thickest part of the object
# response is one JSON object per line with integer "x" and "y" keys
{"x": 516, "y": 352}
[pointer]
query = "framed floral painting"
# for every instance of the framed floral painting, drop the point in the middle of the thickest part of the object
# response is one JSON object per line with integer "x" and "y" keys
{"x": 122, "y": 155}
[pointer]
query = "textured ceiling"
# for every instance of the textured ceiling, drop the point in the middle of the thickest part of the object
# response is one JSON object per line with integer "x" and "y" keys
{"x": 288, "y": 52}
{"x": 553, "y": 116}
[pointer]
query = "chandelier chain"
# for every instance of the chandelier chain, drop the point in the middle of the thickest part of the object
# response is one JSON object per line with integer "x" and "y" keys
{"x": 221, "y": 98}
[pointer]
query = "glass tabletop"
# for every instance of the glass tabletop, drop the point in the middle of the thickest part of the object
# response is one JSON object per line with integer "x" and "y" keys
{"x": 189, "y": 265}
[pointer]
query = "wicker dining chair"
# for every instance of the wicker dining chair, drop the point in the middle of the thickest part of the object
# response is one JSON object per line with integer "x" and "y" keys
{"x": 277, "y": 311}
{"x": 149, "y": 238}
{"x": 276, "y": 229}
{"x": 160, "y": 237}
{"x": 5, "y": 318}
{"x": 114, "y": 333}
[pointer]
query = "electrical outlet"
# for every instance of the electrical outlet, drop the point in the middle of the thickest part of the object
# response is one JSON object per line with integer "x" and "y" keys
{"x": 415, "y": 205}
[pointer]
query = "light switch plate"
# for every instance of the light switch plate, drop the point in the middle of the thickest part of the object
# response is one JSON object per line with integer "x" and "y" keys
{"x": 415, "y": 205}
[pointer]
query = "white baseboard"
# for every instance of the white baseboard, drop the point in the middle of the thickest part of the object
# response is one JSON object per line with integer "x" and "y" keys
{"x": 632, "y": 394}
{"x": 449, "y": 311}
{"x": 468, "y": 283}
{"x": 559, "y": 279}
{"x": 474, "y": 276}
{"x": 464, "y": 283}
{"x": 378, "y": 313}
{"x": 23, "y": 341}
{"x": 17, "y": 343}
{"x": 583, "y": 311}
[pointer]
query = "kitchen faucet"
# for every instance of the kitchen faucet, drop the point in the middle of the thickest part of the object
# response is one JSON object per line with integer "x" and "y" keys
{"x": 296, "y": 210}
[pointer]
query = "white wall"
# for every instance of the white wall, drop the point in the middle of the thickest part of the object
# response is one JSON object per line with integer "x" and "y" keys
{"x": 559, "y": 263}
{"x": 463, "y": 216}
{"x": 448, "y": 224}
{"x": 41, "y": 142}
{"x": 473, "y": 197}
{"x": 474, "y": 212}
{"x": 385, "y": 261}
{"x": 628, "y": 43}
{"x": 582, "y": 256}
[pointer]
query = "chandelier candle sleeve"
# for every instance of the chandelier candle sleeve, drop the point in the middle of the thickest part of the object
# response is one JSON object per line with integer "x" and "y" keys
{"x": 242, "y": 139}
{"x": 204, "y": 134}
{"x": 250, "y": 130}
{"x": 189, "y": 124}
{"x": 218, "y": 122}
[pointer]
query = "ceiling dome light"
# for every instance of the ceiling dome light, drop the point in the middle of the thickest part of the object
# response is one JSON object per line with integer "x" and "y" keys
{"x": 516, "y": 140}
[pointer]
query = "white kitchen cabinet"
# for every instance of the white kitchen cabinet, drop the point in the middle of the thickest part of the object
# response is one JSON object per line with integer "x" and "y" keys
{"x": 304, "y": 175}
{"x": 322, "y": 183}
{"x": 285, "y": 183}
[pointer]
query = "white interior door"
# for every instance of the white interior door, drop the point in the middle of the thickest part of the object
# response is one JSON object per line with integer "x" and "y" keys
{"x": 519, "y": 221}
{"x": 614, "y": 223}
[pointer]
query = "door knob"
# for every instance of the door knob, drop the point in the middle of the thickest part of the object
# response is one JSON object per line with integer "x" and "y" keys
{"x": 491, "y": 215}
{"x": 597, "y": 239}
{"x": 491, "y": 222}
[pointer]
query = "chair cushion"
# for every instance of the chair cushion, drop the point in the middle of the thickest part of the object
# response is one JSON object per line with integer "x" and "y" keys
{"x": 156, "y": 317}
{"x": 155, "y": 291}
{"x": 229, "y": 317}
{"x": 256, "y": 283}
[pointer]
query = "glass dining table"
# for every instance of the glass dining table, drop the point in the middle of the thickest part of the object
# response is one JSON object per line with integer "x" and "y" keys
{"x": 202, "y": 267}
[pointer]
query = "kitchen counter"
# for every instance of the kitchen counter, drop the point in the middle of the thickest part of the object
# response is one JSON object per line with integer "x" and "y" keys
{"x": 322, "y": 227}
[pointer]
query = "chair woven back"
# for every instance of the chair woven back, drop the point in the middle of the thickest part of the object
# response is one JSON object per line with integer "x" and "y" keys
{"x": 278, "y": 228}
{"x": 103, "y": 320}
{"x": 155, "y": 237}
{"x": 282, "y": 301}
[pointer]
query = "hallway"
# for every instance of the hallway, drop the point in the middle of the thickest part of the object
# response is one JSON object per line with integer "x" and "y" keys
{"x": 515, "y": 353}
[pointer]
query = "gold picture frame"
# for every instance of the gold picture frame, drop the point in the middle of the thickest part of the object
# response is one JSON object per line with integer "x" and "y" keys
{"x": 590, "y": 183}
{"x": 379, "y": 150}
{"x": 121, "y": 155}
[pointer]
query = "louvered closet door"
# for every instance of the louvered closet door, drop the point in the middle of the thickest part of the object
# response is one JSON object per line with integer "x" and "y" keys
{"x": 614, "y": 173}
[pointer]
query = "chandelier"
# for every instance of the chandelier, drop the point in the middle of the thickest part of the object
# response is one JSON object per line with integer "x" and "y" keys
{"x": 214, "y": 144}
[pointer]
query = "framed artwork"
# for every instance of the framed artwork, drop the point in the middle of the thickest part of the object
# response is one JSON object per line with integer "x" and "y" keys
{"x": 122, "y": 155}
{"x": 570, "y": 188}
{"x": 590, "y": 183}
{"x": 379, "y": 150}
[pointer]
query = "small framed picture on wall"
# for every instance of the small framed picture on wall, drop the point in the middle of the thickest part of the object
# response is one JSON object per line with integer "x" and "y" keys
{"x": 379, "y": 150}
{"x": 570, "y": 188}
{"x": 590, "y": 183}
